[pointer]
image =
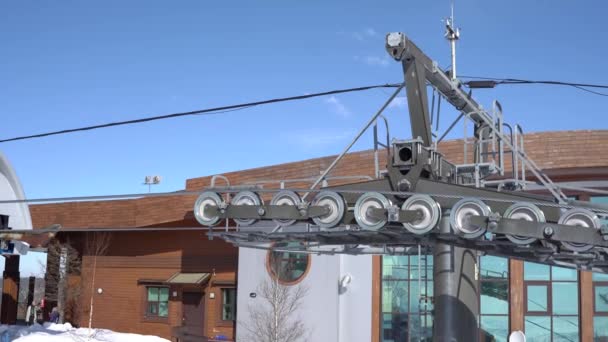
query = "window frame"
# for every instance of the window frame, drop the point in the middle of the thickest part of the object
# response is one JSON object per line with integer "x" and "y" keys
{"x": 547, "y": 284}
{"x": 410, "y": 279}
{"x": 145, "y": 303}
{"x": 549, "y": 313}
{"x": 273, "y": 275}
{"x": 506, "y": 280}
{"x": 221, "y": 320}
{"x": 597, "y": 283}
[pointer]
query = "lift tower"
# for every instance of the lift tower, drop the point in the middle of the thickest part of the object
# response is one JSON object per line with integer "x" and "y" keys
{"x": 422, "y": 200}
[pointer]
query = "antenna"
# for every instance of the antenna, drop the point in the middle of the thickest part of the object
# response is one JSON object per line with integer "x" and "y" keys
{"x": 452, "y": 34}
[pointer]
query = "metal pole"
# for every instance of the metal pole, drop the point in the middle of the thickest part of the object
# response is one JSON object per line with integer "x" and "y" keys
{"x": 338, "y": 158}
{"x": 453, "y": 46}
{"x": 456, "y": 291}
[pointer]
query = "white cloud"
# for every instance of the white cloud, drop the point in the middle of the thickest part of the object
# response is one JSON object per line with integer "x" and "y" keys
{"x": 358, "y": 36}
{"x": 398, "y": 102}
{"x": 361, "y": 35}
{"x": 316, "y": 138}
{"x": 370, "y": 32}
{"x": 337, "y": 106}
{"x": 374, "y": 60}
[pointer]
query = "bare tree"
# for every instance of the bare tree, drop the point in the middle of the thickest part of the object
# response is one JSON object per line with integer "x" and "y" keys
{"x": 63, "y": 260}
{"x": 276, "y": 319}
{"x": 96, "y": 244}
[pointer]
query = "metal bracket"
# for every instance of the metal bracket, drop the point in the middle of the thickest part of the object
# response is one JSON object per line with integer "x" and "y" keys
{"x": 604, "y": 232}
{"x": 394, "y": 214}
{"x": 541, "y": 230}
{"x": 281, "y": 212}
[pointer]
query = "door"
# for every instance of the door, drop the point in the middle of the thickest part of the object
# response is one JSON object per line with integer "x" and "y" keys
{"x": 193, "y": 320}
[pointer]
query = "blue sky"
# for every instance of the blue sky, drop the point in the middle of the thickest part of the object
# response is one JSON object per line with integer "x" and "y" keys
{"x": 72, "y": 63}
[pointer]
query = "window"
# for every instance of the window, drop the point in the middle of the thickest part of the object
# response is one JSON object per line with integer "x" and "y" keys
{"x": 157, "y": 302}
{"x": 288, "y": 267}
{"x": 407, "y": 290}
{"x": 494, "y": 300}
{"x": 600, "y": 307}
{"x": 228, "y": 304}
{"x": 600, "y": 292}
{"x": 551, "y": 303}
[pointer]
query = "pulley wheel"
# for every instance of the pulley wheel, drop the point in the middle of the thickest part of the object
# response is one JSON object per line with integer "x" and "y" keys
{"x": 581, "y": 218}
{"x": 207, "y": 199}
{"x": 246, "y": 198}
{"x": 428, "y": 208}
{"x": 527, "y": 212}
{"x": 462, "y": 210}
{"x": 285, "y": 197}
{"x": 370, "y": 200}
{"x": 336, "y": 205}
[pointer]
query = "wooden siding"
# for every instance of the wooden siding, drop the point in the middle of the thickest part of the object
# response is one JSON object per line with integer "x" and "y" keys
{"x": 133, "y": 257}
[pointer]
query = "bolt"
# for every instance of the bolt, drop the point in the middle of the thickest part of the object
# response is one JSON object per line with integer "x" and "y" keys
{"x": 404, "y": 185}
{"x": 492, "y": 225}
{"x": 261, "y": 211}
{"x": 548, "y": 231}
{"x": 302, "y": 212}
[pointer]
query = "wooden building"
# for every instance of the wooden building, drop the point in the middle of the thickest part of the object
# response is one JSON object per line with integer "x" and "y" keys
{"x": 161, "y": 275}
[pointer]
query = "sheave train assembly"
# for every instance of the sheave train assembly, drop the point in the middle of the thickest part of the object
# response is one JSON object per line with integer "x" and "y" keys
{"x": 422, "y": 199}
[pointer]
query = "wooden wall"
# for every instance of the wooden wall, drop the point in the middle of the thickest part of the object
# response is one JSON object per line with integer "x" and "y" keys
{"x": 136, "y": 256}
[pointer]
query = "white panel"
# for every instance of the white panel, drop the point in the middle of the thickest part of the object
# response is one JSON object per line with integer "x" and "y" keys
{"x": 319, "y": 311}
{"x": 10, "y": 189}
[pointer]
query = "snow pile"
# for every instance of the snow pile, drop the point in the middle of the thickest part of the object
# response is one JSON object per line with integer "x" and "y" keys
{"x": 50, "y": 332}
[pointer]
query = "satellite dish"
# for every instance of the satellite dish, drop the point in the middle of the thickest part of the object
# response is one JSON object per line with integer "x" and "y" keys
{"x": 10, "y": 189}
{"x": 517, "y": 336}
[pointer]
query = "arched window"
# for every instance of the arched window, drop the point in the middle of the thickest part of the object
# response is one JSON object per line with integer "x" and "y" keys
{"x": 288, "y": 267}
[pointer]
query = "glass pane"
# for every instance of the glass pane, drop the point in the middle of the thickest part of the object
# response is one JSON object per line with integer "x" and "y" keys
{"x": 494, "y": 297}
{"x": 599, "y": 199}
{"x": 426, "y": 267}
{"x": 600, "y": 329}
{"x": 227, "y": 312}
{"x": 537, "y": 298}
{"x": 600, "y": 276}
{"x": 494, "y": 267}
{"x": 538, "y": 329}
{"x": 163, "y": 309}
{"x": 565, "y": 298}
{"x": 163, "y": 294}
{"x": 565, "y": 329}
{"x": 601, "y": 298}
{"x": 394, "y": 267}
{"x": 394, "y": 327}
{"x": 153, "y": 294}
{"x": 394, "y": 296}
{"x": 429, "y": 267}
{"x": 152, "y": 309}
{"x": 421, "y": 328}
{"x": 533, "y": 271}
{"x": 225, "y": 296}
{"x": 495, "y": 328}
{"x": 288, "y": 267}
{"x": 562, "y": 273}
{"x": 419, "y": 299}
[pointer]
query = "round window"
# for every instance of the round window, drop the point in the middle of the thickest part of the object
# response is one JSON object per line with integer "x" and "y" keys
{"x": 288, "y": 267}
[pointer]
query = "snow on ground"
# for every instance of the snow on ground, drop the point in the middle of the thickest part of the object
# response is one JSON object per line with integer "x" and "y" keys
{"x": 50, "y": 332}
